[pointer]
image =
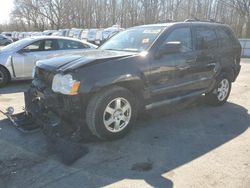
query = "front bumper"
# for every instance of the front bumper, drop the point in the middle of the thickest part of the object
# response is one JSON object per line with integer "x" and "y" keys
{"x": 42, "y": 101}
{"x": 48, "y": 111}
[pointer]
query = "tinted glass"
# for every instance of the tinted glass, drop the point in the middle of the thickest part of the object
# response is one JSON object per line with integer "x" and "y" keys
{"x": 205, "y": 38}
{"x": 182, "y": 35}
{"x": 134, "y": 39}
{"x": 67, "y": 45}
{"x": 224, "y": 38}
{"x": 36, "y": 46}
{"x": 50, "y": 45}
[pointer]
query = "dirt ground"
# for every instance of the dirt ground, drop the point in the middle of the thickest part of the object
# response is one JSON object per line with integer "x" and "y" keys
{"x": 194, "y": 145}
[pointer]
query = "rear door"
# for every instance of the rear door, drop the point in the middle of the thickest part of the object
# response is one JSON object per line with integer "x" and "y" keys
{"x": 70, "y": 46}
{"x": 207, "y": 54}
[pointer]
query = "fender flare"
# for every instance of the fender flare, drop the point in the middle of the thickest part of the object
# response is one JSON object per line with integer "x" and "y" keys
{"x": 126, "y": 79}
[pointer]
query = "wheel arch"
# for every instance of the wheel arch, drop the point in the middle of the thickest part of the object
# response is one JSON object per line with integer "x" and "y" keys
{"x": 136, "y": 86}
{"x": 229, "y": 71}
{"x": 7, "y": 70}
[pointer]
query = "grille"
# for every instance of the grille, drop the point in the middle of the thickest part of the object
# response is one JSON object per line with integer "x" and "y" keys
{"x": 45, "y": 76}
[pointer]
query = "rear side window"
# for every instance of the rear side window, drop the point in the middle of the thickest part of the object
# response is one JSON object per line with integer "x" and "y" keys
{"x": 182, "y": 35}
{"x": 50, "y": 45}
{"x": 205, "y": 38}
{"x": 224, "y": 38}
{"x": 70, "y": 45}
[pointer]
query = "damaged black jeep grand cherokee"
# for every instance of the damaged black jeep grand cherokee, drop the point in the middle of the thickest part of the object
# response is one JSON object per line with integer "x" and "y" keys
{"x": 140, "y": 68}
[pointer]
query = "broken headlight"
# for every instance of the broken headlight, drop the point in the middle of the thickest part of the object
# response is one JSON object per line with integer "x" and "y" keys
{"x": 65, "y": 84}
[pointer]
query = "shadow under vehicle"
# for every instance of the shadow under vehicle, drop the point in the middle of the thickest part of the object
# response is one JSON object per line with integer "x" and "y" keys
{"x": 169, "y": 138}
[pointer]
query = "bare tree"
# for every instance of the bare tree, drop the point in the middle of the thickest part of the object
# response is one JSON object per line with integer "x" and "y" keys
{"x": 56, "y": 14}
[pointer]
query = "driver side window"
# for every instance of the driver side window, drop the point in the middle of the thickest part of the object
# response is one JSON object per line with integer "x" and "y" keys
{"x": 182, "y": 35}
{"x": 34, "y": 47}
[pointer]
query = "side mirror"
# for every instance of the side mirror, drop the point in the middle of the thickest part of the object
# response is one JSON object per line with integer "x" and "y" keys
{"x": 170, "y": 48}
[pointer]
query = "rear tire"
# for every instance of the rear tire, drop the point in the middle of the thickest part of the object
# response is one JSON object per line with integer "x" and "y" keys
{"x": 111, "y": 113}
{"x": 4, "y": 77}
{"x": 221, "y": 92}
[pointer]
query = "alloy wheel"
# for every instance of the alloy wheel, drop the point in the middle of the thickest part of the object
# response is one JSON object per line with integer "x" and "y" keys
{"x": 223, "y": 90}
{"x": 117, "y": 115}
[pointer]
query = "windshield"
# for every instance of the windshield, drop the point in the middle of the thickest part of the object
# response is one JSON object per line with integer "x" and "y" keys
{"x": 134, "y": 39}
{"x": 17, "y": 45}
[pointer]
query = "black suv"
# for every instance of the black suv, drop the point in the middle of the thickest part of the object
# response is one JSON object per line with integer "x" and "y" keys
{"x": 4, "y": 41}
{"x": 140, "y": 68}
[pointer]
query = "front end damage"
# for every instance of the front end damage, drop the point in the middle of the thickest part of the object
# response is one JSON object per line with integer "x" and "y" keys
{"x": 53, "y": 113}
{"x": 58, "y": 117}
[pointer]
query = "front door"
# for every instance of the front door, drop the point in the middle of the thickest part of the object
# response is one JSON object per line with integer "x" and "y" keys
{"x": 25, "y": 60}
{"x": 175, "y": 74}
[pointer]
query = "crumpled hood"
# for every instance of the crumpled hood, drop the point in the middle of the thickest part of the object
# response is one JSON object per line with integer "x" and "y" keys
{"x": 76, "y": 60}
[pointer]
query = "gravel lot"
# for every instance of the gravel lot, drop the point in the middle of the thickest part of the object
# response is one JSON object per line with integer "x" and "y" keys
{"x": 193, "y": 146}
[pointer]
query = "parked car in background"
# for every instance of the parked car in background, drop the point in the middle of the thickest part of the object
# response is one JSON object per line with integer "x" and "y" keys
{"x": 21, "y": 35}
{"x": 18, "y": 59}
{"x": 7, "y": 34}
{"x": 15, "y": 36}
{"x": 92, "y": 35}
{"x": 36, "y": 34}
{"x": 62, "y": 33}
{"x": 99, "y": 37}
{"x": 27, "y": 34}
{"x": 84, "y": 35}
{"x": 109, "y": 32}
{"x": 48, "y": 32}
{"x": 75, "y": 33}
{"x": 71, "y": 32}
{"x": 5, "y": 40}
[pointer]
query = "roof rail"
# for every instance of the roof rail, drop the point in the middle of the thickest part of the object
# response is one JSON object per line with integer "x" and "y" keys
{"x": 197, "y": 20}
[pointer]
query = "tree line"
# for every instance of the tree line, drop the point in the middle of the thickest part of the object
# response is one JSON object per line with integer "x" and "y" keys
{"x": 39, "y": 15}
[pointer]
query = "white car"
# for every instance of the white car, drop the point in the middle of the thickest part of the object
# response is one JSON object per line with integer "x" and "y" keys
{"x": 18, "y": 59}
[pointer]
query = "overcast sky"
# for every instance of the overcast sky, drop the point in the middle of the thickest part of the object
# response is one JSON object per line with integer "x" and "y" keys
{"x": 5, "y": 9}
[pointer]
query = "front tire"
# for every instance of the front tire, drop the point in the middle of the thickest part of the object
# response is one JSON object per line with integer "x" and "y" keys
{"x": 221, "y": 92}
{"x": 4, "y": 77}
{"x": 111, "y": 113}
